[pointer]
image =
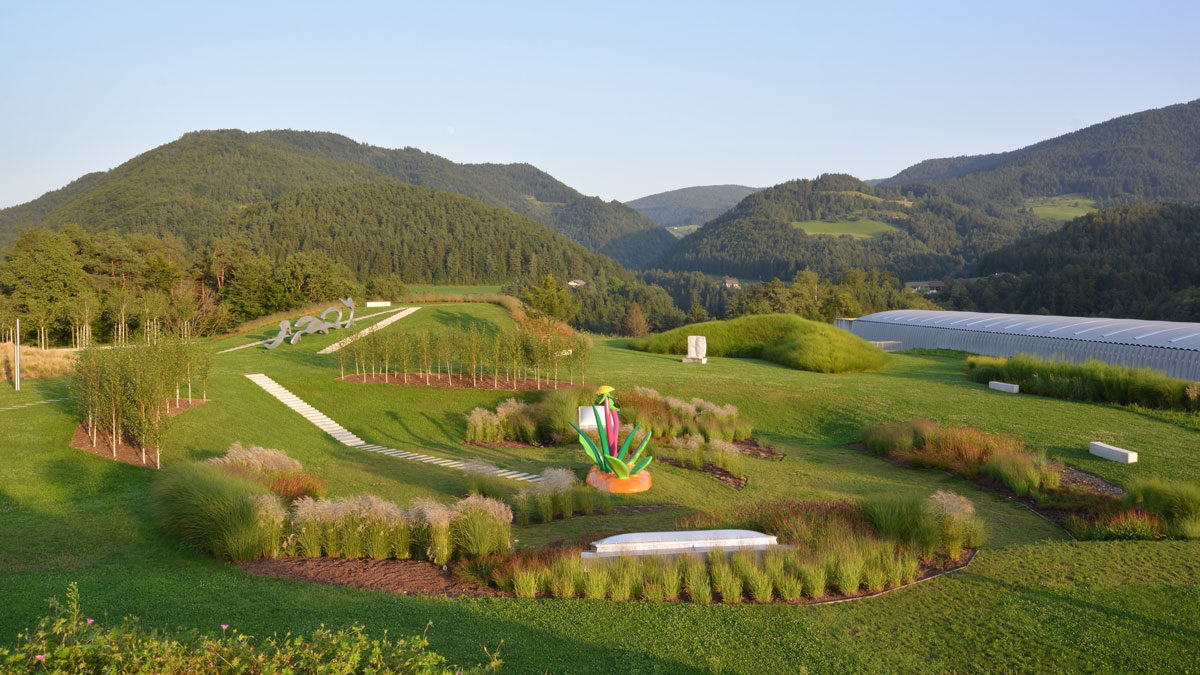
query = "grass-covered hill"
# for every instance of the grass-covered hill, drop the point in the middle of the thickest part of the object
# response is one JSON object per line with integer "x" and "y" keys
{"x": 418, "y": 234}
{"x": 837, "y": 222}
{"x": 610, "y": 228}
{"x": 782, "y": 338}
{"x": 189, "y": 186}
{"x": 1134, "y": 261}
{"x": 1152, "y": 155}
{"x": 690, "y": 206}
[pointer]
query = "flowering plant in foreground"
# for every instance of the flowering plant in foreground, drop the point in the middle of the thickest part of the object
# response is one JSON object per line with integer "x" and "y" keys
{"x": 612, "y": 456}
{"x": 68, "y": 643}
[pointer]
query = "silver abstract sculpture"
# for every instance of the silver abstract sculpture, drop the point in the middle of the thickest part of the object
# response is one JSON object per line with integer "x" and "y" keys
{"x": 309, "y": 324}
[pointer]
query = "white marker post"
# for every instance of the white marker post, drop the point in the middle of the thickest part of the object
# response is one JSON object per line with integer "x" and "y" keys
{"x": 17, "y": 356}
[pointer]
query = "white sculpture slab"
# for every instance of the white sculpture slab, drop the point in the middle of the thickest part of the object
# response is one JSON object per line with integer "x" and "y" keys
{"x": 379, "y": 303}
{"x": 1112, "y": 452}
{"x": 587, "y": 420}
{"x": 697, "y": 349}
{"x": 676, "y": 543}
{"x": 889, "y": 345}
{"x": 1005, "y": 387}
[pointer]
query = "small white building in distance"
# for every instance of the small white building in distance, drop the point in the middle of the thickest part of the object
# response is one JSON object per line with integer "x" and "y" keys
{"x": 576, "y": 283}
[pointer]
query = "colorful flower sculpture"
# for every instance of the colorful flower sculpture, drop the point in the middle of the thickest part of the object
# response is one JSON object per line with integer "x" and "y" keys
{"x": 616, "y": 469}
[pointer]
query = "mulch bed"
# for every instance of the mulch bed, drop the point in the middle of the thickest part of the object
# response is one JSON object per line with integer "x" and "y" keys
{"x": 753, "y": 448}
{"x": 126, "y": 452}
{"x": 714, "y": 471}
{"x": 405, "y": 577}
{"x": 418, "y": 577}
{"x": 459, "y": 381}
{"x": 1071, "y": 478}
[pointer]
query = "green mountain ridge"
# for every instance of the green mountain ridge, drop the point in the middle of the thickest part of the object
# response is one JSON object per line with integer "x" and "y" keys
{"x": 188, "y": 187}
{"x": 691, "y": 205}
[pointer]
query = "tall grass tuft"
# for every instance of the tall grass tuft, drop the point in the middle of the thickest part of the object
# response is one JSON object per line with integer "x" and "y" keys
{"x": 216, "y": 512}
{"x": 480, "y": 526}
{"x": 595, "y": 581}
{"x": 482, "y": 479}
{"x": 696, "y": 579}
{"x": 432, "y": 531}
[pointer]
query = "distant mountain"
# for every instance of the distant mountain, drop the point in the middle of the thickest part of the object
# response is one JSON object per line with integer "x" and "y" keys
{"x": 690, "y": 206}
{"x": 187, "y": 187}
{"x": 419, "y": 234}
{"x": 610, "y": 228}
{"x": 837, "y": 222}
{"x": 1135, "y": 261}
{"x": 1152, "y": 155}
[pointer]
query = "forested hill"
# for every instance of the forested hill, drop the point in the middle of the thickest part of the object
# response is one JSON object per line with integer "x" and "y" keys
{"x": 610, "y": 228}
{"x": 1134, "y": 261}
{"x": 1152, "y": 155}
{"x": 838, "y": 222}
{"x": 416, "y": 233}
{"x": 691, "y": 205}
{"x": 188, "y": 187}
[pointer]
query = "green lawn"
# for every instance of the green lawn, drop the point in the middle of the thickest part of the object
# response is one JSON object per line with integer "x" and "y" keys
{"x": 1031, "y": 600}
{"x": 861, "y": 228}
{"x": 1061, "y": 208}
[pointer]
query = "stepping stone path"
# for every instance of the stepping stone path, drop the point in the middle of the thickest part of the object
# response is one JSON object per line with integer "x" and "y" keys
{"x": 26, "y": 405}
{"x": 345, "y": 437}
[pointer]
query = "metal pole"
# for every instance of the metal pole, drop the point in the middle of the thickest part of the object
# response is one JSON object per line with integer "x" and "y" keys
{"x": 17, "y": 357}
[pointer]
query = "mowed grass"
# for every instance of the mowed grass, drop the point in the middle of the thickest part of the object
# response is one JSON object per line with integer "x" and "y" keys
{"x": 861, "y": 228}
{"x": 1031, "y": 600}
{"x": 1061, "y": 208}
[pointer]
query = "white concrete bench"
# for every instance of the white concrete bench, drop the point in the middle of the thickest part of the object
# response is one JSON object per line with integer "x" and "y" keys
{"x": 676, "y": 543}
{"x": 1112, "y": 452}
{"x": 1005, "y": 387}
{"x": 587, "y": 419}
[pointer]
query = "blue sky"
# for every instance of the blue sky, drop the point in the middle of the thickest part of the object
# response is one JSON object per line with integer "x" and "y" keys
{"x": 617, "y": 100}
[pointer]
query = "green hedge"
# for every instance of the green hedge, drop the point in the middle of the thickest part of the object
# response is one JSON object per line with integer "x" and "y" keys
{"x": 1088, "y": 381}
{"x": 783, "y": 338}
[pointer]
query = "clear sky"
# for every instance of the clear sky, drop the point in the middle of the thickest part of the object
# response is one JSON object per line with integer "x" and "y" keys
{"x": 616, "y": 100}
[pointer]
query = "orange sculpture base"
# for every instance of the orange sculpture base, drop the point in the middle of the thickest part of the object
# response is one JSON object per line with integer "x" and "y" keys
{"x": 639, "y": 482}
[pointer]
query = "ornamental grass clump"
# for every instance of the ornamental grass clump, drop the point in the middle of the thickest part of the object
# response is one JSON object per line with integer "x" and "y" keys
{"x": 482, "y": 479}
{"x": 958, "y": 527}
{"x": 1176, "y": 502}
{"x": 1136, "y": 523}
{"x": 216, "y": 512}
{"x": 480, "y": 526}
{"x": 272, "y": 469}
{"x": 696, "y": 579}
{"x": 668, "y": 417}
{"x": 431, "y": 531}
{"x": 595, "y": 581}
{"x": 554, "y": 495}
{"x": 566, "y": 576}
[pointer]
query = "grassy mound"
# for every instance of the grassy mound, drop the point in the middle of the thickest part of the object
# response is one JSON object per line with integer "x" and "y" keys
{"x": 782, "y": 338}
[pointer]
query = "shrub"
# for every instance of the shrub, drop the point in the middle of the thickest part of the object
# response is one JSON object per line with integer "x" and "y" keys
{"x": 68, "y": 642}
{"x": 783, "y": 338}
{"x": 480, "y": 526}
{"x": 215, "y": 512}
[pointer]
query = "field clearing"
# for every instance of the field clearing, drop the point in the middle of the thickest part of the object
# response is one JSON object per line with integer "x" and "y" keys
{"x": 1061, "y": 208}
{"x": 1031, "y": 600}
{"x": 863, "y": 228}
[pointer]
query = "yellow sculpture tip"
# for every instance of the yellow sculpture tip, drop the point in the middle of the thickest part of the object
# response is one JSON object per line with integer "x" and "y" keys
{"x": 605, "y": 390}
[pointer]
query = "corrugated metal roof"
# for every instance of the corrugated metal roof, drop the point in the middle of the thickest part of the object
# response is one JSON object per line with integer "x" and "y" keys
{"x": 1169, "y": 334}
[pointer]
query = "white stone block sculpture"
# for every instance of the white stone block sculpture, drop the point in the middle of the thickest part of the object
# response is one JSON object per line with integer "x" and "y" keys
{"x": 379, "y": 303}
{"x": 697, "y": 349}
{"x": 1005, "y": 387}
{"x": 587, "y": 420}
{"x": 1112, "y": 452}
{"x": 675, "y": 543}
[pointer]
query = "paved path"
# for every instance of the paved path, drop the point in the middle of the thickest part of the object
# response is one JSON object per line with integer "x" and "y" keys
{"x": 26, "y": 405}
{"x": 345, "y": 437}
{"x": 383, "y": 323}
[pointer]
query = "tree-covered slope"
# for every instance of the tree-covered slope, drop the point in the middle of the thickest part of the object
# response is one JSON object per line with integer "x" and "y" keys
{"x": 419, "y": 234}
{"x": 691, "y": 205}
{"x": 769, "y": 233}
{"x": 185, "y": 188}
{"x": 1151, "y": 155}
{"x": 610, "y": 228}
{"x": 1134, "y": 261}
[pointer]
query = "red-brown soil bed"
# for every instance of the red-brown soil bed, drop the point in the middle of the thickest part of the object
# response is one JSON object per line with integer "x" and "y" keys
{"x": 416, "y": 577}
{"x": 714, "y": 471}
{"x": 1086, "y": 490}
{"x": 126, "y": 452}
{"x": 459, "y": 381}
{"x": 753, "y": 448}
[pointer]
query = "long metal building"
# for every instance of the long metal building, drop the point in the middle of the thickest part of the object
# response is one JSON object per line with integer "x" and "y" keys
{"x": 1168, "y": 346}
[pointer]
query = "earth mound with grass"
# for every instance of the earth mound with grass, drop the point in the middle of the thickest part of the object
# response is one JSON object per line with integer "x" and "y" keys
{"x": 783, "y": 338}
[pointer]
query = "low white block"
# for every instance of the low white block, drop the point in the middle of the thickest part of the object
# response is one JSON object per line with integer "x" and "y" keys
{"x": 587, "y": 420}
{"x": 379, "y": 303}
{"x": 1112, "y": 452}
{"x": 675, "y": 543}
{"x": 1005, "y": 386}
